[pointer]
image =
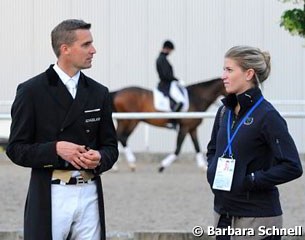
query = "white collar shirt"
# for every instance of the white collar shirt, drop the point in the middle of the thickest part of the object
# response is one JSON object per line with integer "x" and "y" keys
{"x": 65, "y": 78}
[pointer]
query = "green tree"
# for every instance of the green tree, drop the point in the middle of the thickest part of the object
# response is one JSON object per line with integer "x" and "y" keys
{"x": 294, "y": 20}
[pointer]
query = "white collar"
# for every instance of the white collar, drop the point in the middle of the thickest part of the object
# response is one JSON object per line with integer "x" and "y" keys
{"x": 63, "y": 76}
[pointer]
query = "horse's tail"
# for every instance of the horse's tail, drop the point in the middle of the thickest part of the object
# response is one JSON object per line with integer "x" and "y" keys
{"x": 112, "y": 95}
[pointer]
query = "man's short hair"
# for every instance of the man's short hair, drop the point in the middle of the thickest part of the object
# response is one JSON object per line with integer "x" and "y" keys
{"x": 64, "y": 33}
{"x": 168, "y": 44}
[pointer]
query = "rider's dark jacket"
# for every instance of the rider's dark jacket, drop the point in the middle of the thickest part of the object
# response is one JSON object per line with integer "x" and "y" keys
{"x": 165, "y": 72}
{"x": 262, "y": 146}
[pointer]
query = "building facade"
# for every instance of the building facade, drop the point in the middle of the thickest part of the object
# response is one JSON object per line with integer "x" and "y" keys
{"x": 128, "y": 35}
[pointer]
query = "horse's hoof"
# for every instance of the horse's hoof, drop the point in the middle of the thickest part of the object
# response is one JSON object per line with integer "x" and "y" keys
{"x": 161, "y": 169}
{"x": 132, "y": 167}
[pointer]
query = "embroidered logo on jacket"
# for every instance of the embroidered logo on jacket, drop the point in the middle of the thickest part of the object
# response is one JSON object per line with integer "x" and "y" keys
{"x": 248, "y": 121}
{"x": 93, "y": 119}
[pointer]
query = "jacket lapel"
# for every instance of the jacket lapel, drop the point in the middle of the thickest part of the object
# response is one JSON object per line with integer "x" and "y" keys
{"x": 58, "y": 90}
{"x": 61, "y": 95}
{"x": 78, "y": 105}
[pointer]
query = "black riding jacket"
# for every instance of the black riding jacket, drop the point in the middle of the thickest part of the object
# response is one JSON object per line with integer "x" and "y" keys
{"x": 166, "y": 73}
{"x": 262, "y": 146}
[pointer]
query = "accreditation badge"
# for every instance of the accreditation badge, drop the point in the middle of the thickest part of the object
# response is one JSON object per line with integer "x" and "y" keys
{"x": 224, "y": 174}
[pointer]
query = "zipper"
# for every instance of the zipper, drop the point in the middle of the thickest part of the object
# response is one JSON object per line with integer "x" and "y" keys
{"x": 234, "y": 120}
{"x": 277, "y": 141}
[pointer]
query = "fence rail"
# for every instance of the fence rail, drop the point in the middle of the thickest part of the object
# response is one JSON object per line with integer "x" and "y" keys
{"x": 171, "y": 115}
{"x": 8, "y": 103}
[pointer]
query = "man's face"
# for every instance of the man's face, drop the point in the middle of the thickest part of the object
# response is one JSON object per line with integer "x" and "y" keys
{"x": 80, "y": 53}
{"x": 168, "y": 50}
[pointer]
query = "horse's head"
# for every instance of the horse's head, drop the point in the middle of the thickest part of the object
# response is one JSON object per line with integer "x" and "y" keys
{"x": 222, "y": 90}
{"x": 204, "y": 93}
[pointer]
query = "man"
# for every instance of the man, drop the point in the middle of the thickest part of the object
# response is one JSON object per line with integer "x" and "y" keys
{"x": 166, "y": 75}
{"x": 65, "y": 133}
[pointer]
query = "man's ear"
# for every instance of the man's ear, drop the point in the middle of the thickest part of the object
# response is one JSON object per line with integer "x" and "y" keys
{"x": 64, "y": 49}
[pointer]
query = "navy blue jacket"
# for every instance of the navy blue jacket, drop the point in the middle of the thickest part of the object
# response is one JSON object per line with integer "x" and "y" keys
{"x": 262, "y": 146}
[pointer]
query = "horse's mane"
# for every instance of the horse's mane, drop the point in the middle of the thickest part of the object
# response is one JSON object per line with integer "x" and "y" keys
{"x": 204, "y": 83}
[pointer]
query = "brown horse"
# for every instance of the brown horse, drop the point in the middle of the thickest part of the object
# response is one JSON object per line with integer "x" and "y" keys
{"x": 135, "y": 99}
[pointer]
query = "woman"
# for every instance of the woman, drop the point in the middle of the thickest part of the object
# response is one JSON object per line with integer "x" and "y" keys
{"x": 250, "y": 151}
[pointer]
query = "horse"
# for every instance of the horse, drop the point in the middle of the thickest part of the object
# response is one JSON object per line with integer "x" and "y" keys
{"x": 137, "y": 99}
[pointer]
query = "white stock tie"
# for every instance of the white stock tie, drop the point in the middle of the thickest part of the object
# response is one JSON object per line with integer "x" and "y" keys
{"x": 71, "y": 85}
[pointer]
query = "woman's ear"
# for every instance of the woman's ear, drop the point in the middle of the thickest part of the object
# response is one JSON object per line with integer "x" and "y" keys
{"x": 250, "y": 74}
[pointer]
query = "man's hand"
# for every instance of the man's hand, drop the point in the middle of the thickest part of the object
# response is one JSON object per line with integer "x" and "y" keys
{"x": 91, "y": 158}
{"x": 72, "y": 153}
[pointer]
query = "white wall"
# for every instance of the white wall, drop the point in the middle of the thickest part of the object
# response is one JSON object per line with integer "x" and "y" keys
{"x": 128, "y": 35}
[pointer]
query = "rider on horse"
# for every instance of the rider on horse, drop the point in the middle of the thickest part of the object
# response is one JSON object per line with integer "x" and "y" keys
{"x": 166, "y": 76}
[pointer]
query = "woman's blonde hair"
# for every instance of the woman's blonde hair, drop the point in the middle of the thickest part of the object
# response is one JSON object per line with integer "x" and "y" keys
{"x": 251, "y": 58}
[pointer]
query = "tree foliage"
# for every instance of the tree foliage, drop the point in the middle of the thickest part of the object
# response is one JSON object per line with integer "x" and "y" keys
{"x": 293, "y": 20}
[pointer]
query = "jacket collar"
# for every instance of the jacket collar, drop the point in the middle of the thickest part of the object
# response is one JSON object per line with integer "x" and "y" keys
{"x": 53, "y": 77}
{"x": 246, "y": 100}
{"x": 64, "y": 76}
{"x": 164, "y": 54}
{"x": 62, "y": 96}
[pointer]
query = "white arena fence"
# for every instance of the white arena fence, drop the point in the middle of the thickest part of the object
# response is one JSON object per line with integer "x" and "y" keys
{"x": 4, "y": 115}
{"x": 5, "y": 119}
{"x": 5, "y": 107}
{"x": 179, "y": 115}
{"x": 172, "y": 115}
{"x": 275, "y": 102}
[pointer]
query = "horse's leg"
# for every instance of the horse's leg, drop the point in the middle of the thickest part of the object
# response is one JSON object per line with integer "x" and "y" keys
{"x": 124, "y": 129}
{"x": 166, "y": 162}
{"x": 201, "y": 162}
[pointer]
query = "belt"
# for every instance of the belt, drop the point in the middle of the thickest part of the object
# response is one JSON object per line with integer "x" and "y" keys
{"x": 64, "y": 177}
{"x": 73, "y": 181}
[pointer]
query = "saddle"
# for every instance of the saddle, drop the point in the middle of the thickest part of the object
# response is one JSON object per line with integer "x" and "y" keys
{"x": 177, "y": 92}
